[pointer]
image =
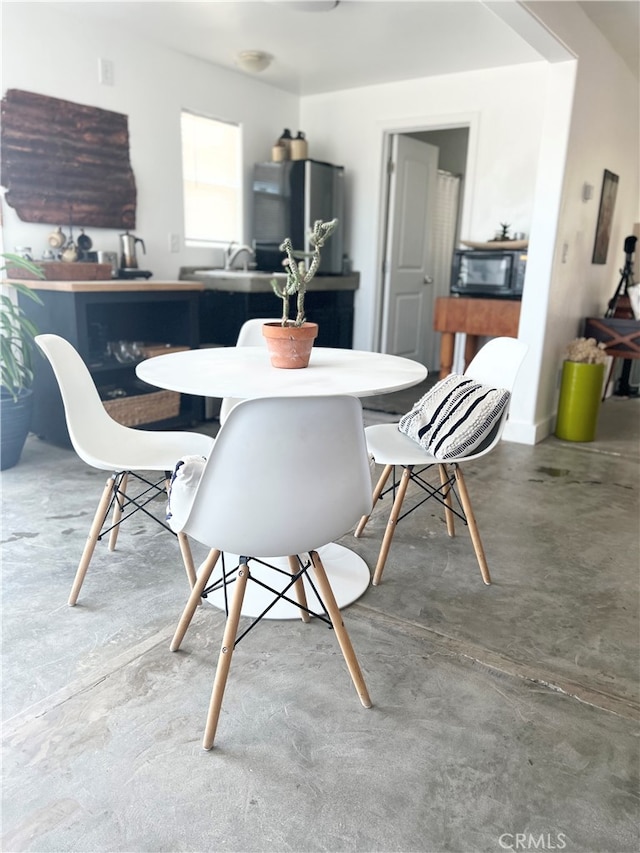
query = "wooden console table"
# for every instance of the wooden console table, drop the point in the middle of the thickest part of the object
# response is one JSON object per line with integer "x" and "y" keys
{"x": 621, "y": 337}
{"x": 476, "y": 318}
{"x": 622, "y": 340}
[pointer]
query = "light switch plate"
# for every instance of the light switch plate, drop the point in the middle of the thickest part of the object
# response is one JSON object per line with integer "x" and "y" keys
{"x": 106, "y": 72}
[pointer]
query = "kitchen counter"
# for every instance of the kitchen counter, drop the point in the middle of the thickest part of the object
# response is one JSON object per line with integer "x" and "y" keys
{"x": 255, "y": 281}
{"x": 115, "y": 285}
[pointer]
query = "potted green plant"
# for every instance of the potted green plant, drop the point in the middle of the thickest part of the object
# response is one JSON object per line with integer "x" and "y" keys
{"x": 17, "y": 334}
{"x": 581, "y": 390}
{"x": 290, "y": 341}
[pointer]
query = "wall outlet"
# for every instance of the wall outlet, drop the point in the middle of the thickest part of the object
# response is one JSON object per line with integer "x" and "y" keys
{"x": 174, "y": 242}
{"x": 106, "y": 72}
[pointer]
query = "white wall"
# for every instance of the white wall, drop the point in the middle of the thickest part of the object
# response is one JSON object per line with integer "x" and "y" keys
{"x": 348, "y": 127}
{"x": 452, "y": 148}
{"x": 559, "y": 85}
{"x": 604, "y": 134}
{"x": 151, "y": 86}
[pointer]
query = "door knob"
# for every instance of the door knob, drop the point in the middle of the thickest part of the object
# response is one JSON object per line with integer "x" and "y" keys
{"x": 428, "y": 279}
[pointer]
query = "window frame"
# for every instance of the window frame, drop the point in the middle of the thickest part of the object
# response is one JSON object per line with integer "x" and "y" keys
{"x": 237, "y": 184}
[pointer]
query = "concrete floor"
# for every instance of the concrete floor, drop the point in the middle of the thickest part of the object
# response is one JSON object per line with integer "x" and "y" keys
{"x": 505, "y": 717}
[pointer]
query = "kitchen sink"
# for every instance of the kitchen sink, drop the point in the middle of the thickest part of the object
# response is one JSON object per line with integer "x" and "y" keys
{"x": 243, "y": 281}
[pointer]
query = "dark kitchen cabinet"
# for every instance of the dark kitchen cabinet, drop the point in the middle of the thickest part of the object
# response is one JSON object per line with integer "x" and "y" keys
{"x": 92, "y": 314}
{"x": 223, "y": 313}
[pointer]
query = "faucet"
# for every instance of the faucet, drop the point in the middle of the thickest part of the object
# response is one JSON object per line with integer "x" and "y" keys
{"x": 232, "y": 254}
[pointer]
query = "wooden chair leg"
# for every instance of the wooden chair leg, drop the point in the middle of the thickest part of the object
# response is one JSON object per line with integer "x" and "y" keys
{"x": 448, "y": 503}
{"x": 338, "y": 626}
{"x": 194, "y": 599}
{"x": 121, "y": 486}
{"x": 92, "y": 539}
{"x": 224, "y": 659}
{"x": 301, "y": 596}
{"x": 187, "y": 558}
{"x": 185, "y": 548}
{"x": 376, "y": 494}
{"x": 473, "y": 527}
{"x": 391, "y": 525}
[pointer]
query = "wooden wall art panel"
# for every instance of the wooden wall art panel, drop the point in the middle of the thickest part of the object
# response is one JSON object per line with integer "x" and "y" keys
{"x": 65, "y": 163}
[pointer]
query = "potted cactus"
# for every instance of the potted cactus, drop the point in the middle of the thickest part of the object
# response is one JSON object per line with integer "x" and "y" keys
{"x": 290, "y": 341}
{"x": 16, "y": 362}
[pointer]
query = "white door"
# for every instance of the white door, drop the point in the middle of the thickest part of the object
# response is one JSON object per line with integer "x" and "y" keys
{"x": 407, "y": 307}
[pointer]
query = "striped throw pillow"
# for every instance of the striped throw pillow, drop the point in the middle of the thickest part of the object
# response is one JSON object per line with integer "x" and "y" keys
{"x": 456, "y": 418}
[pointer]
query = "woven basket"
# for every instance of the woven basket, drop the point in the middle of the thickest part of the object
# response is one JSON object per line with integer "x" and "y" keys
{"x": 144, "y": 408}
{"x": 150, "y": 350}
{"x": 62, "y": 271}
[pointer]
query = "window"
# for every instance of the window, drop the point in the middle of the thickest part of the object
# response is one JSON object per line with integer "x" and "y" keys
{"x": 211, "y": 177}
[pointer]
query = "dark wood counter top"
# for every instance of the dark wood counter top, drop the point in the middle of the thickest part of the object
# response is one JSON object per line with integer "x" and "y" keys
{"x": 113, "y": 286}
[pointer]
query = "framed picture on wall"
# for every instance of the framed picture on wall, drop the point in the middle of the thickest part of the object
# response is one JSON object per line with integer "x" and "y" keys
{"x": 605, "y": 217}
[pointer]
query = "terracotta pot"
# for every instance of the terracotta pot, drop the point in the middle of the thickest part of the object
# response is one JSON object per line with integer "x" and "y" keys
{"x": 290, "y": 346}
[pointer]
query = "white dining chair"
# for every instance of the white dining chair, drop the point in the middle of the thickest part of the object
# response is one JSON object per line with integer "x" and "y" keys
{"x": 286, "y": 476}
{"x": 250, "y": 335}
{"x": 126, "y": 453}
{"x": 496, "y": 365}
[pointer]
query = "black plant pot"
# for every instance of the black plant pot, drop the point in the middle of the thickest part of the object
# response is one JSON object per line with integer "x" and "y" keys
{"x": 15, "y": 420}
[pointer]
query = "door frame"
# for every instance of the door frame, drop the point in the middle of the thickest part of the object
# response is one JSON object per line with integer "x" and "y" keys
{"x": 387, "y": 130}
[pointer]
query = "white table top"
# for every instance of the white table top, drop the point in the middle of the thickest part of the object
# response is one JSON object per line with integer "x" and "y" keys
{"x": 247, "y": 372}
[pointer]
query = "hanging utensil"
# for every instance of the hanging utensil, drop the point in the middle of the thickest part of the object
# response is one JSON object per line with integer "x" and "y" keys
{"x": 84, "y": 241}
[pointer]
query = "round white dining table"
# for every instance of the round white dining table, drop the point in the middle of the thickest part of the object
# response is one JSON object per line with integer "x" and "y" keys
{"x": 246, "y": 372}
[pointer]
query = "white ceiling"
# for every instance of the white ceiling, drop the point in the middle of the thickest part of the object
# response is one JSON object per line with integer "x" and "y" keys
{"x": 356, "y": 43}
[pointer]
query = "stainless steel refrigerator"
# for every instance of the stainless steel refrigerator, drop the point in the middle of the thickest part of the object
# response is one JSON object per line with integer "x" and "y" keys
{"x": 288, "y": 197}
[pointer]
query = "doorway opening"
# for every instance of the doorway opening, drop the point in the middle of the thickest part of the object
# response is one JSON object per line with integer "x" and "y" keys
{"x": 421, "y": 226}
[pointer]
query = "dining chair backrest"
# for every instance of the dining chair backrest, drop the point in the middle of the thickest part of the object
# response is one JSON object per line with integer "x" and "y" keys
{"x": 97, "y": 438}
{"x": 91, "y": 429}
{"x": 286, "y": 475}
{"x": 497, "y": 362}
{"x": 250, "y": 335}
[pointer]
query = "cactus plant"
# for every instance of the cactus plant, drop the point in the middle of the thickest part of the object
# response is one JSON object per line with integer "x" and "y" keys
{"x": 298, "y": 276}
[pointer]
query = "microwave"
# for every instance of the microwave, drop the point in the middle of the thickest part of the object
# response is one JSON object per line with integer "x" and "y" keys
{"x": 486, "y": 273}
